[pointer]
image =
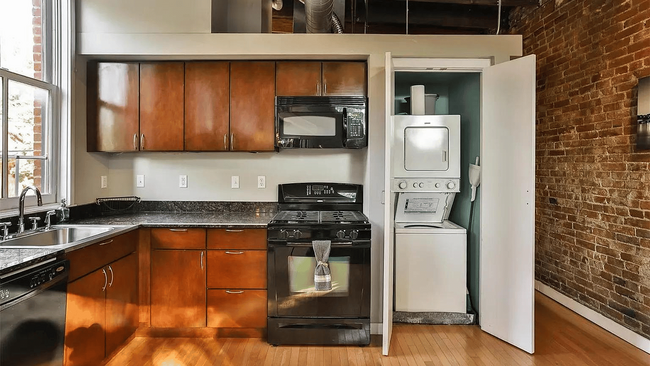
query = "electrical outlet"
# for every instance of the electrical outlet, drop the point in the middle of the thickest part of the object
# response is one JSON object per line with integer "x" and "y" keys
{"x": 104, "y": 182}
{"x": 261, "y": 181}
{"x": 182, "y": 181}
{"x": 234, "y": 181}
{"x": 139, "y": 181}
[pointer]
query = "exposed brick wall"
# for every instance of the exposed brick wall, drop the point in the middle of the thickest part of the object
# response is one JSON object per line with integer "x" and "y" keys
{"x": 592, "y": 186}
{"x": 37, "y": 27}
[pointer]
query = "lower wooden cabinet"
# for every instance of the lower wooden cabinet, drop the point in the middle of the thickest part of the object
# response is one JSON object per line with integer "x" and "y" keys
{"x": 178, "y": 288}
{"x": 237, "y": 308}
{"x": 237, "y": 269}
{"x": 102, "y": 312}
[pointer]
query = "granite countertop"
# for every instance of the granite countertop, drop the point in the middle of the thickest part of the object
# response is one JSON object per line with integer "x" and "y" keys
{"x": 186, "y": 219}
{"x": 13, "y": 259}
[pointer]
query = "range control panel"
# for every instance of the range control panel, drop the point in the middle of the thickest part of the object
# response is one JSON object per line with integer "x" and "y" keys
{"x": 426, "y": 185}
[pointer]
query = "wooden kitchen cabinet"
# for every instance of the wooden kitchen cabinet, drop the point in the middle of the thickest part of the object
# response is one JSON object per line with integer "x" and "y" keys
{"x": 344, "y": 78}
{"x": 252, "y": 106}
{"x": 122, "y": 312}
{"x": 178, "y": 291}
{"x": 237, "y": 269}
{"x": 102, "y": 303}
{"x": 237, "y": 239}
{"x": 113, "y": 106}
{"x": 85, "y": 321}
{"x": 177, "y": 238}
{"x": 162, "y": 106}
{"x": 207, "y": 106}
{"x": 313, "y": 78}
{"x": 298, "y": 78}
{"x": 237, "y": 308}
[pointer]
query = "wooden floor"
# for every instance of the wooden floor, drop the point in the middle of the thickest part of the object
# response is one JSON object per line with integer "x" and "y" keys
{"x": 562, "y": 338}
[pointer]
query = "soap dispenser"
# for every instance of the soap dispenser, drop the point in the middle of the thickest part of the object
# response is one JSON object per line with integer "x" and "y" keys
{"x": 63, "y": 212}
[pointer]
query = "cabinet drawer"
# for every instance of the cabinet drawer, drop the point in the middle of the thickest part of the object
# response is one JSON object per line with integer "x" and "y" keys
{"x": 178, "y": 238}
{"x": 236, "y": 269}
{"x": 237, "y": 239}
{"x": 237, "y": 308}
{"x": 88, "y": 259}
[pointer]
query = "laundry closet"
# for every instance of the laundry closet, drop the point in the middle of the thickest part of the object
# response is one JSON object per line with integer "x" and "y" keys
{"x": 444, "y": 235}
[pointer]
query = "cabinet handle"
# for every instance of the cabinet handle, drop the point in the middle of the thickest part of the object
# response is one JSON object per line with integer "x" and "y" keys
{"x": 178, "y": 230}
{"x": 318, "y": 88}
{"x": 225, "y": 141}
{"x": 106, "y": 242}
{"x": 135, "y": 141}
{"x": 234, "y": 231}
{"x": 112, "y": 276}
{"x": 234, "y": 253}
{"x": 201, "y": 261}
{"x": 234, "y": 292}
{"x": 325, "y": 93}
{"x": 142, "y": 142}
{"x": 232, "y": 141}
{"x": 105, "y": 280}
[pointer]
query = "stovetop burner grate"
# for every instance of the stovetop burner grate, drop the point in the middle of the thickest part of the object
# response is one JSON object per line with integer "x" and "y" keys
{"x": 316, "y": 217}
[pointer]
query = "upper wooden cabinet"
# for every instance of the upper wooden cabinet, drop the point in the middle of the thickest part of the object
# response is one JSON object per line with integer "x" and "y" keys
{"x": 313, "y": 78}
{"x": 161, "y": 106}
{"x": 113, "y": 106}
{"x": 252, "y": 106}
{"x": 207, "y": 106}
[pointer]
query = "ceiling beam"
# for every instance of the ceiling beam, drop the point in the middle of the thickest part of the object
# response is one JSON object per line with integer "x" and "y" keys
{"x": 509, "y": 3}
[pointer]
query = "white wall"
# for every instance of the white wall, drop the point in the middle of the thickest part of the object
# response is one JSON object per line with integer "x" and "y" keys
{"x": 180, "y": 30}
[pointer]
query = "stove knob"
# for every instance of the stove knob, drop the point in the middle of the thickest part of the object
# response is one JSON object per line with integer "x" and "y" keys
{"x": 451, "y": 185}
{"x": 402, "y": 184}
{"x": 297, "y": 234}
{"x": 340, "y": 234}
{"x": 354, "y": 234}
{"x": 282, "y": 234}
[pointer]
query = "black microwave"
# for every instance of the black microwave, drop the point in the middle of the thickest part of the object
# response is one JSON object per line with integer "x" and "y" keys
{"x": 321, "y": 122}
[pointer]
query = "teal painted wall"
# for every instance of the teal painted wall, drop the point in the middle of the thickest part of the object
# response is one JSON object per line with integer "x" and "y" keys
{"x": 465, "y": 100}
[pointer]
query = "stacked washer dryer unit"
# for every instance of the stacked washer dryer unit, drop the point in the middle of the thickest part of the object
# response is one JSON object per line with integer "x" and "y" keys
{"x": 430, "y": 250}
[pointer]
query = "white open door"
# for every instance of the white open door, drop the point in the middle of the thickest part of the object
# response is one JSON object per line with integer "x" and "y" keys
{"x": 389, "y": 248}
{"x": 507, "y": 273}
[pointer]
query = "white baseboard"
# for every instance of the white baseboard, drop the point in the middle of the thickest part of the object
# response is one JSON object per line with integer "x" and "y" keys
{"x": 609, "y": 325}
{"x": 375, "y": 328}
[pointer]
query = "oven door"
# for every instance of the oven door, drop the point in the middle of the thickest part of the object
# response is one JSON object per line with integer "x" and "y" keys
{"x": 291, "y": 282}
{"x": 322, "y": 128}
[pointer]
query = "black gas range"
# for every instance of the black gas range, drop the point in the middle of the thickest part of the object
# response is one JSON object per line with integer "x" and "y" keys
{"x": 297, "y": 313}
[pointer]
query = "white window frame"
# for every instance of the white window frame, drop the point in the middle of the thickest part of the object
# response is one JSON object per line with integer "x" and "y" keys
{"x": 58, "y": 56}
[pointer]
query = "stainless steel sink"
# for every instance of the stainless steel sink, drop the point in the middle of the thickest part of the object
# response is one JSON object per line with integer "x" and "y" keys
{"x": 56, "y": 236}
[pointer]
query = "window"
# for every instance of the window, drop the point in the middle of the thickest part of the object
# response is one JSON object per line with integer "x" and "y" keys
{"x": 30, "y": 123}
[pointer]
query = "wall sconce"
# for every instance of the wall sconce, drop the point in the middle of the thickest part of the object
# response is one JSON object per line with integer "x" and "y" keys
{"x": 643, "y": 115}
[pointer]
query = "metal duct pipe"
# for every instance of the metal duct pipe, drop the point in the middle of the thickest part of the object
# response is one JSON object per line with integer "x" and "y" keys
{"x": 337, "y": 27}
{"x": 318, "y": 14}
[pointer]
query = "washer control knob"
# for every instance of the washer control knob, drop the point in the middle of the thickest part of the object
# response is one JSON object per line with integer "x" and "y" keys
{"x": 415, "y": 184}
{"x": 354, "y": 234}
{"x": 297, "y": 234}
{"x": 340, "y": 234}
{"x": 421, "y": 185}
{"x": 437, "y": 185}
{"x": 402, "y": 184}
{"x": 451, "y": 185}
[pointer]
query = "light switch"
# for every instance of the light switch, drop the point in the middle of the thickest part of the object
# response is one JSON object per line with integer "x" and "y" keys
{"x": 234, "y": 181}
{"x": 139, "y": 181}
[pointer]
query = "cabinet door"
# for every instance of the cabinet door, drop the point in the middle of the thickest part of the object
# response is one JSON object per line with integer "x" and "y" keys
{"x": 207, "y": 107}
{"x": 161, "y": 106}
{"x": 113, "y": 106}
{"x": 85, "y": 320}
{"x": 177, "y": 288}
{"x": 226, "y": 269}
{"x": 237, "y": 308}
{"x": 122, "y": 314}
{"x": 252, "y": 106}
{"x": 237, "y": 239}
{"x": 344, "y": 78}
{"x": 297, "y": 78}
{"x": 178, "y": 238}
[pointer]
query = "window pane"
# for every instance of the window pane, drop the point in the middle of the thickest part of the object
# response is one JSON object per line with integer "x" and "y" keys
{"x": 21, "y": 37}
{"x": 27, "y": 114}
{"x": 30, "y": 172}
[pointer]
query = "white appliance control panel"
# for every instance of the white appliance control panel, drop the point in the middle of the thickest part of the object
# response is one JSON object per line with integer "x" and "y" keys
{"x": 426, "y": 185}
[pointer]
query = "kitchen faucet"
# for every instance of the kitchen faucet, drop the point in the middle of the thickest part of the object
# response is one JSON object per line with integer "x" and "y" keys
{"x": 21, "y": 206}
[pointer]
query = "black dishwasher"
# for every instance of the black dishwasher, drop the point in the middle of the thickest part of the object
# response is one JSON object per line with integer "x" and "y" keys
{"x": 32, "y": 314}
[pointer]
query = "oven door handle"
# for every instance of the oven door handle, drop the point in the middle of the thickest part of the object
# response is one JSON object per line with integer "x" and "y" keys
{"x": 334, "y": 245}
